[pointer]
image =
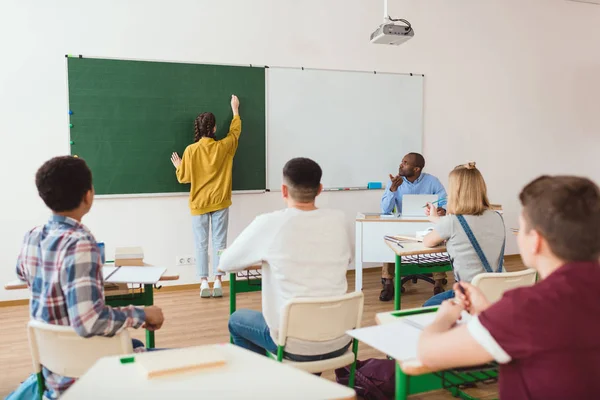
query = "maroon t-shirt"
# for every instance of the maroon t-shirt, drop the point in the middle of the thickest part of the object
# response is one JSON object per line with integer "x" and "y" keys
{"x": 551, "y": 331}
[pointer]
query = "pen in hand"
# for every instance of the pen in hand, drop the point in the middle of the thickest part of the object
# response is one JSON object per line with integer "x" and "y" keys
{"x": 460, "y": 287}
{"x": 435, "y": 202}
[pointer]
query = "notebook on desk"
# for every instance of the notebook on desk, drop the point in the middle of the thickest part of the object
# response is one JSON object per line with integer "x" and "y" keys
{"x": 399, "y": 339}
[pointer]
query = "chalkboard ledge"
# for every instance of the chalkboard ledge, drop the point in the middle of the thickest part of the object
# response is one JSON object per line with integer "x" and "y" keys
{"x": 173, "y": 194}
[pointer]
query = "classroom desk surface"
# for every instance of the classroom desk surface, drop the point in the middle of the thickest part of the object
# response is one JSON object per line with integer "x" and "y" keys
{"x": 245, "y": 375}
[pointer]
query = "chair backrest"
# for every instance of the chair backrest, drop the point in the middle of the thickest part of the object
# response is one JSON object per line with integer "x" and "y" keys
{"x": 63, "y": 352}
{"x": 493, "y": 285}
{"x": 320, "y": 319}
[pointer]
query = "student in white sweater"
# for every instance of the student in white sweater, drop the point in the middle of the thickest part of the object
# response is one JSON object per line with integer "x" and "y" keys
{"x": 304, "y": 252}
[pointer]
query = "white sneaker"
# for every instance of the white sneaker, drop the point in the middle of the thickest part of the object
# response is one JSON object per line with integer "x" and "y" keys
{"x": 204, "y": 289}
{"x": 217, "y": 288}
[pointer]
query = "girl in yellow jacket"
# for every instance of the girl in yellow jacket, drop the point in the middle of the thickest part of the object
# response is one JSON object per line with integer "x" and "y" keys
{"x": 207, "y": 165}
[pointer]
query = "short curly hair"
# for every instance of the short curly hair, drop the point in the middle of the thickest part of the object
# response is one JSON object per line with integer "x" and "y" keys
{"x": 62, "y": 182}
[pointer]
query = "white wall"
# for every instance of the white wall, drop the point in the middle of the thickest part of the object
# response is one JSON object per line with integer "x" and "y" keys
{"x": 512, "y": 84}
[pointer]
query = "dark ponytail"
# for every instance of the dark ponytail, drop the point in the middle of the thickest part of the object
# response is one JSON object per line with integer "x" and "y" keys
{"x": 204, "y": 126}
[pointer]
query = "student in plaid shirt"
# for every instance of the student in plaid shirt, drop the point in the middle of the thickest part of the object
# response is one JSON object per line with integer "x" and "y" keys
{"x": 61, "y": 264}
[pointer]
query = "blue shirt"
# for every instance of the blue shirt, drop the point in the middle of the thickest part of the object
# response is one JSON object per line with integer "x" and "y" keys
{"x": 425, "y": 184}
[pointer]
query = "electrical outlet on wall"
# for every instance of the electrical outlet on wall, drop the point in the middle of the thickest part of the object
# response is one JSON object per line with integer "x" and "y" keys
{"x": 185, "y": 260}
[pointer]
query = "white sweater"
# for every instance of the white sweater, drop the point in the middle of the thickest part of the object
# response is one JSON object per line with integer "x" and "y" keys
{"x": 303, "y": 254}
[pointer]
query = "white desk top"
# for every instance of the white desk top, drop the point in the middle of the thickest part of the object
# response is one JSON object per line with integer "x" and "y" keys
{"x": 246, "y": 375}
{"x": 145, "y": 275}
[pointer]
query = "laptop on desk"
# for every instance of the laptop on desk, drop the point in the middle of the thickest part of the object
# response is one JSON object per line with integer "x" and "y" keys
{"x": 413, "y": 204}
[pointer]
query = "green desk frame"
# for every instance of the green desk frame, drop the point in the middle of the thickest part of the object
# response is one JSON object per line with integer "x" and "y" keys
{"x": 450, "y": 380}
{"x": 136, "y": 298}
{"x": 241, "y": 286}
{"x": 411, "y": 268}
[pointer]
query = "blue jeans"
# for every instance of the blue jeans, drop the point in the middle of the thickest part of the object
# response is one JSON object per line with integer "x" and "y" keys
{"x": 249, "y": 330}
{"x": 200, "y": 223}
{"x": 439, "y": 298}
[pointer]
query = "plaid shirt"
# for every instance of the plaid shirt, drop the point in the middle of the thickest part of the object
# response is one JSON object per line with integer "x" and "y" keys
{"x": 61, "y": 264}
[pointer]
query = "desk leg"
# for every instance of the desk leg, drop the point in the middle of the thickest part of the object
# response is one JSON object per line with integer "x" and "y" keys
{"x": 232, "y": 293}
{"x": 401, "y": 384}
{"x": 397, "y": 284}
{"x": 148, "y": 301}
{"x": 358, "y": 264}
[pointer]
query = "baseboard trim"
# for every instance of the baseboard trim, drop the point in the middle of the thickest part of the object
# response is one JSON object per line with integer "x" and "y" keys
{"x": 12, "y": 303}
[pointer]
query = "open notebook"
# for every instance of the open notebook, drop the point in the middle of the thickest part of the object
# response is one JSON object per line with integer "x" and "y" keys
{"x": 400, "y": 339}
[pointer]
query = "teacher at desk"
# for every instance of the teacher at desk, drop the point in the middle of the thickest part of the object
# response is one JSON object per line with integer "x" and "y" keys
{"x": 410, "y": 180}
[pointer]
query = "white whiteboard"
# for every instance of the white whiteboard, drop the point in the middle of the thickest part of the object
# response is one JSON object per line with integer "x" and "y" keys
{"x": 356, "y": 125}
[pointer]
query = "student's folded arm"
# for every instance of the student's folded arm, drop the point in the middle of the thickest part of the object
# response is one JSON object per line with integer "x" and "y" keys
{"x": 82, "y": 283}
{"x": 184, "y": 172}
{"x": 232, "y": 139}
{"x": 456, "y": 347}
{"x": 248, "y": 249}
{"x": 388, "y": 200}
{"x": 432, "y": 239}
{"x": 442, "y": 231}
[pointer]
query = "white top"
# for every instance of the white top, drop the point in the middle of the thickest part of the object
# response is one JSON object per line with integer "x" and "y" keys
{"x": 304, "y": 254}
{"x": 244, "y": 375}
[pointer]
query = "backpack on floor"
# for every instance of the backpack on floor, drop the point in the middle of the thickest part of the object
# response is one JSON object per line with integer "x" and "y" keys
{"x": 375, "y": 378}
{"x": 27, "y": 390}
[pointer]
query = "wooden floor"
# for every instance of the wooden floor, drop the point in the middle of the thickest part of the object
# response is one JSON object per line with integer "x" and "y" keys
{"x": 192, "y": 321}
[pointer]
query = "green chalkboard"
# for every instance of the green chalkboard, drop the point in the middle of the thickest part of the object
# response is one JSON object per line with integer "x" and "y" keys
{"x": 127, "y": 117}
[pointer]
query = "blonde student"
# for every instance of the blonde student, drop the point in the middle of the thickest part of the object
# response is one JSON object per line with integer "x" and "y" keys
{"x": 474, "y": 233}
{"x": 207, "y": 165}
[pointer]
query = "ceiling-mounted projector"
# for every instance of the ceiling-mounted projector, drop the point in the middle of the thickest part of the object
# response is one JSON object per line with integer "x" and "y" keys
{"x": 390, "y": 32}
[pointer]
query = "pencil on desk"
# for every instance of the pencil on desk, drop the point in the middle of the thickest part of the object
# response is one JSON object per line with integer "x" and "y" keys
{"x": 393, "y": 240}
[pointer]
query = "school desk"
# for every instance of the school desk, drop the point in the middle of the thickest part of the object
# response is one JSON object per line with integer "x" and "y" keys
{"x": 369, "y": 229}
{"x": 245, "y": 375}
{"x": 147, "y": 276}
{"x": 418, "y": 259}
{"x": 413, "y": 377}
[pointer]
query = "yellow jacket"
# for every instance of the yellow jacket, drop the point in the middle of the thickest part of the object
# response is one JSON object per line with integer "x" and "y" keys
{"x": 207, "y": 165}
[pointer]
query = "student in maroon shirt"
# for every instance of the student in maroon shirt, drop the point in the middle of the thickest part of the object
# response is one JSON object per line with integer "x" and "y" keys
{"x": 545, "y": 337}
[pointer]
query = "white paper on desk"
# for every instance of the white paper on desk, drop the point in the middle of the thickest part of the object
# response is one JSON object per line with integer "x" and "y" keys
{"x": 145, "y": 275}
{"x": 422, "y": 320}
{"x": 398, "y": 340}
